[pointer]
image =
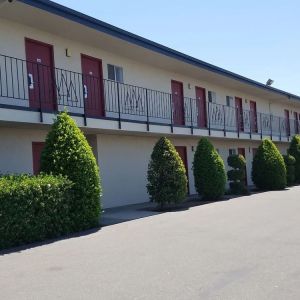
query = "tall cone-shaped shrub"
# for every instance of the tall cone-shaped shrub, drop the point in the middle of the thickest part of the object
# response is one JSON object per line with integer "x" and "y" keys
{"x": 209, "y": 171}
{"x": 68, "y": 153}
{"x": 290, "y": 162}
{"x": 294, "y": 150}
{"x": 268, "y": 168}
{"x": 167, "y": 181}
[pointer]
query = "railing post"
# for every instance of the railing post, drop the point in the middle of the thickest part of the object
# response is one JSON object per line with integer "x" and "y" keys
{"x": 147, "y": 110}
{"x": 224, "y": 117}
{"x": 261, "y": 132}
{"x": 191, "y": 112}
{"x": 119, "y": 106}
{"x": 208, "y": 110}
{"x": 171, "y": 111}
{"x": 271, "y": 130}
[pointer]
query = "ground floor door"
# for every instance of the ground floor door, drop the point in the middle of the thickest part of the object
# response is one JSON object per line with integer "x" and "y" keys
{"x": 201, "y": 107}
{"x": 239, "y": 113}
{"x": 296, "y": 122}
{"x": 40, "y": 73}
{"x": 37, "y": 148}
{"x": 92, "y": 86}
{"x": 183, "y": 155}
{"x": 242, "y": 151}
{"x": 178, "y": 102}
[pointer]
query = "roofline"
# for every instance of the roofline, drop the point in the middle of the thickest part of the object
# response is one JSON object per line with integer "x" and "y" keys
{"x": 114, "y": 31}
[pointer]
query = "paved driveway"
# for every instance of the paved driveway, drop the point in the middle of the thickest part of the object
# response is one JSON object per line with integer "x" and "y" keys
{"x": 244, "y": 248}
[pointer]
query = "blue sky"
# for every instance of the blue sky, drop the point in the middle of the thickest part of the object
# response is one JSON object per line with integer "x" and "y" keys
{"x": 257, "y": 39}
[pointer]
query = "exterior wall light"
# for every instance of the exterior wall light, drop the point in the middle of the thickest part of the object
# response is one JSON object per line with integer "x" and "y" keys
{"x": 68, "y": 52}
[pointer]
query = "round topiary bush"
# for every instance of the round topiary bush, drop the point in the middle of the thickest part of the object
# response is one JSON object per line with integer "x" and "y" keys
{"x": 209, "y": 171}
{"x": 294, "y": 150}
{"x": 68, "y": 153}
{"x": 268, "y": 168}
{"x": 237, "y": 175}
{"x": 290, "y": 162}
{"x": 167, "y": 181}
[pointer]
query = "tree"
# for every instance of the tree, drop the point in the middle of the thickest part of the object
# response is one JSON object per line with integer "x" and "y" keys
{"x": 290, "y": 162}
{"x": 268, "y": 168}
{"x": 237, "y": 174}
{"x": 294, "y": 150}
{"x": 167, "y": 180}
{"x": 209, "y": 171}
{"x": 68, "y": 153}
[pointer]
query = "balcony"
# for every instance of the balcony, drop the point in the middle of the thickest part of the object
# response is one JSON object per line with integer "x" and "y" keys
{"x": 35, "y": 87}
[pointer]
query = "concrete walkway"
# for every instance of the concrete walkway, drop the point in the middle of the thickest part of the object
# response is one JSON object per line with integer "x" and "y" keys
{"x": 243, "y": 248}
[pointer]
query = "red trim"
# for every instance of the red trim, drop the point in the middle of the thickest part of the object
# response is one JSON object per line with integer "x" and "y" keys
{"x": 101, "y": 76}
{"x": 205, "y": 109}
{"x": 37, "y": 148}
{"x": 182, "y": 98}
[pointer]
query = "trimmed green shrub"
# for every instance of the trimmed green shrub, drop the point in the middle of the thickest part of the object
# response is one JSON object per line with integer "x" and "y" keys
{"x": 294, "y": 150}
{"x": 268, "y": 168}
{"x": 237, "y": 175}
{"x": 290, "y": 162}
{"x": 68, "y": 153}
{"x": 33, "y": 208}
{"x": 167, "y": 180}
{"x": 209, "y": 171}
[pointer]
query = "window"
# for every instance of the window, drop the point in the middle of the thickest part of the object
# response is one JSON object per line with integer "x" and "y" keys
{"x": 229, "y": 101}
{"x": 212, "y": 96}
{"x": 37, "y": 148}
{"x": 232, "y": 152}
{"x": 115, "y": 73}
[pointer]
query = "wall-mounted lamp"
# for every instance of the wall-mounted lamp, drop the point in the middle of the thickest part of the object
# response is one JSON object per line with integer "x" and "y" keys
{"x": 68, "y": 52}
{"x": 189, "y": 86}
{"x": 193, "y": 148}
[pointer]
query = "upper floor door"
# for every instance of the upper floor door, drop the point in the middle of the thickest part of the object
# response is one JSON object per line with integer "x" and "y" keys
{"x": 201, "y": 107}
{"x": 287, "y": 122}
{"x": 239, "y": 113}
{"x": 178, "y": 102}
{"x": 92, "y": 79}
{"x": 253, "y": 116}
{"x": 41, "y": 78}
{"x": 296, "y": 122}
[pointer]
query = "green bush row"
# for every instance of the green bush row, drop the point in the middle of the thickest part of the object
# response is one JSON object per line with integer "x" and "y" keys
{"x": 33, "y": 208}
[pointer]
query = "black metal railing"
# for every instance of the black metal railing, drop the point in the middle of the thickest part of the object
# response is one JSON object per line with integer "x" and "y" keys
{"x": 44, "y": 88}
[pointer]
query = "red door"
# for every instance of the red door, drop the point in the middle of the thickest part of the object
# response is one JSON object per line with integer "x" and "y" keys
{"x": 239, "y": 113}
{"x": 178, "y": 105}
{"x": 183, "y": 155}
{"x": 92, "y": 86}
{"x": 241, "y": 151}
{"x": 287, "y": 122}
{"x": 296, "y": 122}
{"x": 201, "y": 106}
{"x": 40, "y": 71}
{"x": 37, "y": 148}
{"x": 253, "y": 116}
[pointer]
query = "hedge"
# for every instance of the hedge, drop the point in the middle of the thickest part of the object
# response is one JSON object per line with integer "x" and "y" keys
{"x": 268, "y": 168}
{"x": 290, "y": 162}
{"x": 209, "y": 171}
{"x": 68, "y": 153}
{"x": 33, "y": 208}
{"x": 294, "y": 150}
{"x": 167, "y": 180}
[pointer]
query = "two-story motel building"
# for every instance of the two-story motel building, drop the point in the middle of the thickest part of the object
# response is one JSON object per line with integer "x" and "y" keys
{"x": 125, "y": 92}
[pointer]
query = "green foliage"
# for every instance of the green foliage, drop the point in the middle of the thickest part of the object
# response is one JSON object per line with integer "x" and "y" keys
{"x": 68, "y": 153}
{"x": 268, "y": 168}
{"x": 167, "y": 181}
{"x": 237, "y": 175}
{"x": 290, "y": 162}
{"x": 294, "y": 150}
{"x": 33, "y": 208}
{"x": 209, "y": 171}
